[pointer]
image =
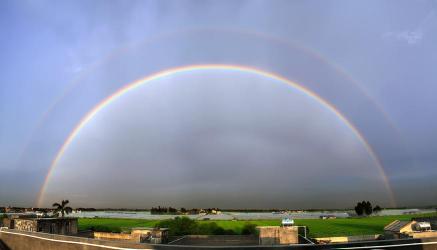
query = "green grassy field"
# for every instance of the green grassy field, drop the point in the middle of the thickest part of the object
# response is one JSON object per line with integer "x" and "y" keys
{"x": 113, "y": 225}
{"x": 317, "y": 227}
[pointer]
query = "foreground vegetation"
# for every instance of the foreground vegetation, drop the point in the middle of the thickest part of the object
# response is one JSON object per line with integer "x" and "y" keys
{"x": 317, "y": 227}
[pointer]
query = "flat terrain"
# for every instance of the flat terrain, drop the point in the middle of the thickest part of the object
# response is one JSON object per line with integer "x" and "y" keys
{"x": 317, "y": 227}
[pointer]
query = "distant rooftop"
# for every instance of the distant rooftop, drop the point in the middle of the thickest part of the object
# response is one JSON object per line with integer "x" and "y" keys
{"x": 51, "y": 218}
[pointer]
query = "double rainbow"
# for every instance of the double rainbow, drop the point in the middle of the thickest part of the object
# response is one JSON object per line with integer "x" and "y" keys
{"x": 191, "y": 68}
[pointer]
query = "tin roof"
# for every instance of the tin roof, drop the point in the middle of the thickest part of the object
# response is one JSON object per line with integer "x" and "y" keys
{"x": 396, "y": 225}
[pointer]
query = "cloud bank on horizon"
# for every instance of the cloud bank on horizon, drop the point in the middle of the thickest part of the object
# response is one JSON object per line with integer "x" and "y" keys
{"x": 217, "y": 138}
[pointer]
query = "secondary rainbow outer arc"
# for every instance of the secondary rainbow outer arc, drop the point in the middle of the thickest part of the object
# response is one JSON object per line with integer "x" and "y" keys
{"x": 266, "y": 36}
{"x": 129, "y": 87}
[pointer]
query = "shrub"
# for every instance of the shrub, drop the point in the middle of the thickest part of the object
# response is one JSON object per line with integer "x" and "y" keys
{"x": 103, "y": 228}
{"x": 186, "y": 226}
{"x": 179, "y": 225}
{"x": 377, "y": 209}
{"x": 249, "y": 228}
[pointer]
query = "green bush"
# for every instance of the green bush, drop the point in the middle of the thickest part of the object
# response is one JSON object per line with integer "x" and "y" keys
{"x": 179, "y": 226}
{"x": 186, "y": 226}
{"x": 213, "y": 229}
{"x": 249, "y": 228}
{"x": 103, "y": 228}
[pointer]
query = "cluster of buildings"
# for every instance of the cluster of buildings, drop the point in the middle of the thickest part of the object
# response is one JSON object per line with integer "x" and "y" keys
{"x": 286, "y": 234}
{"x": 32, "y": 223}
{"x": 17, "y": 209}
{"x": 421, "y": 227}
{"x": 69, "y": 226}
{"x": 183, "y": 211}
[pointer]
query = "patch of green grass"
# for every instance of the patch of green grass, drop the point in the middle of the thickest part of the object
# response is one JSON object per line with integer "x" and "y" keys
{"x": 238, "y": 225}
{"x": 113, "y": 225}
{"x": 317, "y": 227}
{"x": 325, "y": 228}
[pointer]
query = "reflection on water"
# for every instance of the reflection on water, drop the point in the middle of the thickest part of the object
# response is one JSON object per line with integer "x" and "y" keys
{"x": 241, "y": 215}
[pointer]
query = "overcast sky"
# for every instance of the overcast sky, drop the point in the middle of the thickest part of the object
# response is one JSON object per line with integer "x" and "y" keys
{"x": 219, "y": 138}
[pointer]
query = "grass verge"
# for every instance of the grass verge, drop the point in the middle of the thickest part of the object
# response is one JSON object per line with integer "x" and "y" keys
{"x": 317, "y": 227}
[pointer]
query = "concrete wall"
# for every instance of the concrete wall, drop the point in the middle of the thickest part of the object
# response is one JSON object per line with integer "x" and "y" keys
{"x": 432, "y": 234}
{"x": 271, "y": 235}
{"x": 26, "y": 225}
{"x": 344, "y": 239}
{"x": 217, "y": 240}
{"x": 17, "y": 240}
{"x": 66, "y": 226}
{"x": 113, "y": 236}
{"x": 408, "y": 228}
{"x": 21, "y": 240}
{"x": 154, "y": 236}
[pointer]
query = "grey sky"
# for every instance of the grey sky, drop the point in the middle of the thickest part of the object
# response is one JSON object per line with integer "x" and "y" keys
{"x": 374, "y": 60}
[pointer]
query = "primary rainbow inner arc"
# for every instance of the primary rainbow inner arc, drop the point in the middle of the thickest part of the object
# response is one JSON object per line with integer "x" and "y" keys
{"x": 190, "y": 68}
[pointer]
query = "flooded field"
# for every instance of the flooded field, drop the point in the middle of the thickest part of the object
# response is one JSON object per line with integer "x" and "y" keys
{"x": 241, "y": 215}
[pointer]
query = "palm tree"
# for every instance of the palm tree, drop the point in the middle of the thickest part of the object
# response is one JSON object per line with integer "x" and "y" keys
{"x": 62, "y": 208}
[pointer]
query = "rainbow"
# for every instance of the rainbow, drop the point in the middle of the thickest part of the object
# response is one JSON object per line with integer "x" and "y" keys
{"x": 277, "y": 40}
{"x": 191, "y": 68}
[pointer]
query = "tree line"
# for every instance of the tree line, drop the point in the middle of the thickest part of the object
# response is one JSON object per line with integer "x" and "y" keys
{"x": 366, "y": 208}
{"x": 171, "y": 210}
